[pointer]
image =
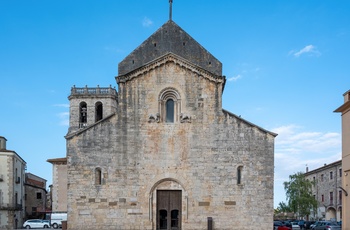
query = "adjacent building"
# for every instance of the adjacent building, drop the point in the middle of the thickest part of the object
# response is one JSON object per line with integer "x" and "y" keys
{"x": 35, "y": 196}
{"x": 161, "y": 152}
{"x": 12, "y": 194}
{"x": 345, "y": 112}
{"x": 326, "y": 191}
{"x": 59, "y": 184}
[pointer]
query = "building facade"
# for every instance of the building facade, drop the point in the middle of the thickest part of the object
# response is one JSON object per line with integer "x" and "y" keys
{"x": 59, "y": 184}
{"x": 12, "y": 199}
{"x": 161, "y": 153}
{"x": 326, "y": 191}
{"x": 345, "y": 112}
{"x": 36, "y": 197}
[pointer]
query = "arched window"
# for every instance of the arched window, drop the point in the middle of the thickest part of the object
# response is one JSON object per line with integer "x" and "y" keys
{"x": 98, "y": 176}
{"x": 82, "y": 115}
{"x": 98, "y": 111}
{"x": 169, "y": 114}
{"x": 169, "y": 105}
{"x": 239, "y": 174}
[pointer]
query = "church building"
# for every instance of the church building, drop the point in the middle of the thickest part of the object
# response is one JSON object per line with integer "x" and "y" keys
{"x": 160, "y": 152}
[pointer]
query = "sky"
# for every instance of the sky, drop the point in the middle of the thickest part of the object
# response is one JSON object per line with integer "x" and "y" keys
{"x": 286, "y": 64}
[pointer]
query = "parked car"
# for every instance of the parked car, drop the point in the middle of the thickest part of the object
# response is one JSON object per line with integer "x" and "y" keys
{"x": 314, "y": 224}
{"x": 284, "y": 228}
{"x": 287, "y": 223}
{"x": 295, "y": 225}
{"x": 327, "y": 225}
{"x": 276, "y": 224}
{"x": 308, "y": 224}
{"x": 57, "y": 218}
{"x": 36, "y": 223}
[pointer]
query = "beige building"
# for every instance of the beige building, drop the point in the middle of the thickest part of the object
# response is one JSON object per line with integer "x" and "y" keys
{"x": 326, "y": 191}
{"x": 12, "y": 198}
{"x": 35, "y": 196}
{"x": 345, "y": 112}
{"x": 59, "y": 184}
{"x": 161, "y": 152}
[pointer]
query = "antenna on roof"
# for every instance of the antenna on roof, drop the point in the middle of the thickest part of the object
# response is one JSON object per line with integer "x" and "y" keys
{"x": 170, "y": 9}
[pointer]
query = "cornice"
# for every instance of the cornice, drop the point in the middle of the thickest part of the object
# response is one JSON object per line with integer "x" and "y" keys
{"x": 177, "y": 60}
{"x": 344, "y": 108}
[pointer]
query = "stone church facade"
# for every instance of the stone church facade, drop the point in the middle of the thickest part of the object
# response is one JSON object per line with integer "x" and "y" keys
{"x": 160, "y": 152}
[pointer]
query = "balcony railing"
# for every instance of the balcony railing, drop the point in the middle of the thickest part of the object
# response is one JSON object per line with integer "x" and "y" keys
{"x": 93, "y": 91}
{"x": 11, "y": 207}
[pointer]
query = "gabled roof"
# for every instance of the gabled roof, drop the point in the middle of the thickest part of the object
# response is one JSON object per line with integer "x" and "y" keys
{"x": 170, "y": 38}
{"x": 177, "y": 60}
{"x": 249, "y": 123}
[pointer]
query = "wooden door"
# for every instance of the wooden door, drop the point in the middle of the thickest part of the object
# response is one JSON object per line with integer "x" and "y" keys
{"x": 168, "y": 210}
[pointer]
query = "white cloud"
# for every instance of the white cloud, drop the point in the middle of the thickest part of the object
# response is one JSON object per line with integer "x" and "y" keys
{"x": 305, "y": 141}
{"x": 64, "y": 118}
{"x": 309, "y": 49}
{"x": 235, "y": 78}
{"x": 146, "y": 22}
{"x": 61, "y": 105}
{"x": 296, "y": 148}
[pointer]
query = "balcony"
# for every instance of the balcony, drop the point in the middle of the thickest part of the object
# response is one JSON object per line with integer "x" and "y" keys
{"x": 8, "y": 207}
{"x": 93, "y": 91}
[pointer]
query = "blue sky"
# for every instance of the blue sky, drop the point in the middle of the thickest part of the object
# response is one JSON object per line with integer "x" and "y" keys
{"x": 287, "y": 65}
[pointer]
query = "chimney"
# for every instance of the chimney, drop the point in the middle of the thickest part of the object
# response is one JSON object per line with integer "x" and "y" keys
{"x": 346, "y": 96}
{"x": 2, "y": 143}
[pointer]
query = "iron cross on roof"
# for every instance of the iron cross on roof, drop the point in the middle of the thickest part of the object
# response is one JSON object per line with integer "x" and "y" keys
{"x": 170, "y": 9}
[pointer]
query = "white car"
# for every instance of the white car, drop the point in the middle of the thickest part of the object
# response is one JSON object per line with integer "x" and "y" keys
{"x": 295, "y": 226}
{"x": 36, "y": 223}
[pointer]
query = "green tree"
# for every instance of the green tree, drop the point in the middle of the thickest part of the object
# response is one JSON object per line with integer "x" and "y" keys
{"x": 299, "y": 194}
{"x": 283, "y": 207}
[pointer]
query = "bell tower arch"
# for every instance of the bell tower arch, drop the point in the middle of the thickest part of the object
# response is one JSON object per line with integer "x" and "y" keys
{"x": 89, "y": 105}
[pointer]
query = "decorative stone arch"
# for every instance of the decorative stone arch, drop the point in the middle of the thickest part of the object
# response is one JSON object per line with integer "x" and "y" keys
{"x": 98, "y": 111}
{"x": 339, "y": 212}
{"x": 82, "y": 114}
{"x": 239, "y": 175}
{"x": 167, "y": 184}
{"x": 331, "y": 213}
{"x": 98, "y": 176}
{"x": 169, "y": 105}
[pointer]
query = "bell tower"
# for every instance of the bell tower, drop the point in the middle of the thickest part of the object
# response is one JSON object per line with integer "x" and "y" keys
{"x": 89, "y": 105}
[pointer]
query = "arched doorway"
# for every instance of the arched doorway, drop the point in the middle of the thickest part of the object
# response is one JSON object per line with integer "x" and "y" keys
{"x": 331, "y": 214}
{"x": 169, "y": 209}
{"x": 168, "y": 201}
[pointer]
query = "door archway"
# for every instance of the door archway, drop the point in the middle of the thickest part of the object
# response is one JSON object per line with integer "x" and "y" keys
{"x": 168, "y": 205}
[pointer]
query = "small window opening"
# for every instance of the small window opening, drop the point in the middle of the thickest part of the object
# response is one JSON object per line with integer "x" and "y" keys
{"x": 98, "y": 176}
{"x": 170, "y": 111}
{"x": 155, "y": 44}
{"x": 98, "y": 111}
{"x": 184, "y": 43}
{"x": 38, "y": 195}
{"x": 210, "y": 63}
{"x": 239, "y": 175}
{"x": 163, "y": 214}
{"x": 82, "y": 115}
{"x": 175, "y": 218}
{"x": 133, "y": 61}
